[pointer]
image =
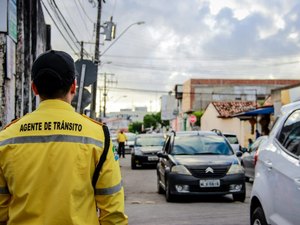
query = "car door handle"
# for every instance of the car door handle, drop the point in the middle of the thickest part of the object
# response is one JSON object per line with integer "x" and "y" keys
{"x": 269, "y": 164}
{"x": 297, "y": 182}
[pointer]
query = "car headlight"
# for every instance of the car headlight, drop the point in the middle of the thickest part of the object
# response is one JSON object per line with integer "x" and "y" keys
{"x": 180, "y": 169}
{"x": 235, "y": 168}
{"x": 137, "y": 151}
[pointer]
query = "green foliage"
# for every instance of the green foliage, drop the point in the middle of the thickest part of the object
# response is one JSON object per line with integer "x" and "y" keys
{"x": 150, "y": 121}
{"x": 135, "y": 127}
{"x": 198, "y": 114}
{"x": 154, "y": 120}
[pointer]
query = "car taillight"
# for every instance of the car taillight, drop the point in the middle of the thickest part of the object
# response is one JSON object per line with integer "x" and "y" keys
{"x": 255, "y": 157}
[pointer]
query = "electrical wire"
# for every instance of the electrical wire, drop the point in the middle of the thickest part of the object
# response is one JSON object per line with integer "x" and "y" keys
{"x": 82, "y": 19}
{"x": 66, "y": 26}
{"x": 63, "y": 22}
{"x": 85, "y": 13}
{"x": 74, "y": 51}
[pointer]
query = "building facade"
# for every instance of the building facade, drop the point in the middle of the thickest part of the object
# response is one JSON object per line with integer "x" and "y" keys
{"x": 23, "y": 36}
{"x": 198, "y": 93}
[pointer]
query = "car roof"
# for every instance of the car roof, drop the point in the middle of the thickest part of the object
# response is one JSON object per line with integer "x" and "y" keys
{"x": 151, "y": 135}
{"x": 290, "y": 107}
{"x": 194, "y": 133}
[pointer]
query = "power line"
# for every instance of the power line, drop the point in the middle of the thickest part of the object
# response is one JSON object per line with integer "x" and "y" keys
{"x": 63, "y": 22}
{"x": 74, "y": 51}
{"x": 66, "y": 26}
{"x": 138, "y": 90}
{"x": 81, "y": 15}
{"x": 86, "y": 14}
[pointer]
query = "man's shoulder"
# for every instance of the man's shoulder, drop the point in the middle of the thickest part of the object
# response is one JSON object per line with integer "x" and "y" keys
{"x": 12, "y": 122}
{"x": 92, "y": 120}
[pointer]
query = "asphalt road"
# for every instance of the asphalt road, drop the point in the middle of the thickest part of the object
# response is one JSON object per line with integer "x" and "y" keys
{"x": 144, "y": 206}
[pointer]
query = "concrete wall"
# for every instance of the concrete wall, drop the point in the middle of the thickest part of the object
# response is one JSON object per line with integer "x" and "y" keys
{"x": 16, "y": 98}
{"x": 2, "y": 74}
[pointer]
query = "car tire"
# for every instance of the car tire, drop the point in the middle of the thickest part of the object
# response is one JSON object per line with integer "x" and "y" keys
{"x": 258, "y": 217}
{"x": 169, "y": 197}
{"x": 247, "y": 179}
{"x": 133, "y": 165}
{"x": 240, "y": 196}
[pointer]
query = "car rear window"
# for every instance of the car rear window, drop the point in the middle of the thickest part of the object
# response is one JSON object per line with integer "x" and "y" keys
{"x": 201, "y": 145}
{"x": 232, "y": 138}
{"x": 149, "y": 141}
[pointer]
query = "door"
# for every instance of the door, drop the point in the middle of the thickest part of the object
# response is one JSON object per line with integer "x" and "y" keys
{"x": 285, "y": 166}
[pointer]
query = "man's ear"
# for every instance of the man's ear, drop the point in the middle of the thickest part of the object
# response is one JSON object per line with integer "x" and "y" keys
{"x": 33, "y": 87}
{"x": 73, "y": 87}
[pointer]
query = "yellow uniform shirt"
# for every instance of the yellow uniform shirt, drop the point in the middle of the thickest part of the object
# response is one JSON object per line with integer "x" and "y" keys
{"x": 47, "y": 160}
{"x": 121, "y": 137}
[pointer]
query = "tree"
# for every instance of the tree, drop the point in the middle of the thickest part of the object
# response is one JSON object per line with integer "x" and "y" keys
{"x": 135, "y": 127}
{"x": 198, "y": 114}
{"x": 153, "y": 121}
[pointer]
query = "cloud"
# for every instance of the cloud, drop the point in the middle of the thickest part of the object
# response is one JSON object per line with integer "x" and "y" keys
{"x": 199, "y": 39}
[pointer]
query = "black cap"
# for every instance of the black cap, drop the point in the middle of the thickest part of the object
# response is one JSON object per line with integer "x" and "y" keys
{"x": 57, "y": 66}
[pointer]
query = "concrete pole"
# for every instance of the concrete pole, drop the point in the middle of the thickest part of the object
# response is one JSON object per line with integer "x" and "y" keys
{"x": 97, "y": 60}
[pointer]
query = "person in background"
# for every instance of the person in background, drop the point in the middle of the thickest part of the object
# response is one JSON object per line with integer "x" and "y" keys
{"x": 121, "y": 138}
{"x": 250, "y": 142}
{"x": 257, "y": 134}
{"x": 48, "y": 158}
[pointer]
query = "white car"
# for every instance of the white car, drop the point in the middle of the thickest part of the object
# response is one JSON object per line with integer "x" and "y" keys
{"x": 234, "y": 142}
{"x": 275, "y": 196}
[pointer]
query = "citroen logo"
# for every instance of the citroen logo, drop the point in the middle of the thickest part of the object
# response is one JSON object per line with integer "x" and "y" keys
{"x": 209, "y": 170}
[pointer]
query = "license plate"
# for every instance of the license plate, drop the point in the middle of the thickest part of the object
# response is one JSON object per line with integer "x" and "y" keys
{"x": 209, "y": 183}
{"x": 152, "y": 158}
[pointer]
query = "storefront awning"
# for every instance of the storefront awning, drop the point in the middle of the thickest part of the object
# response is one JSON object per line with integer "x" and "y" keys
{"x": 256, "y": 112}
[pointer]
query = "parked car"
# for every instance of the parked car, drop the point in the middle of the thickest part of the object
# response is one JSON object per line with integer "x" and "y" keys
{"x": 234, "y": 141}
{"x": 145, "y": 149}
{"x": 275, "y": 196}
{"x": 130, "y": 142}
{"x": 247, "y": 159}
{"x": 199, "y": 163}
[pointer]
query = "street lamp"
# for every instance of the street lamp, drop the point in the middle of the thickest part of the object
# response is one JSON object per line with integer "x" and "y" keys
{"x": 121, "y": 34}
{"x": 102, "y": 63}
{"x": 123, "y": 96}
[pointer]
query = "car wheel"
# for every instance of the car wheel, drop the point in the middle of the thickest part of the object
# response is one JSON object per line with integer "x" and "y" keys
{"x": 239, "y": 197}
{"x": 258, "y": 217}
{"x": 133, "y": 165}
{"x": 169, "y": 197}
{"x": 247, "y": 179}
{"x": 160, "y": 190}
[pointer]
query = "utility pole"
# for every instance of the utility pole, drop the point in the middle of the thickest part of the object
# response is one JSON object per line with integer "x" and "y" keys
{"x": 97, "y": 61}
{"x": 81, "y": 50}
{"x": 106, "y": 81}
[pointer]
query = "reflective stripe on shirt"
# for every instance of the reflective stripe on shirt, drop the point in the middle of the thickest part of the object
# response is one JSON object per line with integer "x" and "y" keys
{"x": 51, "y": 138}
{"x": 108, "y": 191}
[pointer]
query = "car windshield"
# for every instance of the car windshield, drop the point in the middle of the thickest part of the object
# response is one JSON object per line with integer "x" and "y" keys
{"x": 130, "y": 136}
{"x": 201, "y": 145}
{"x": 232, "y": 139}
{"x": 149, "y": 141}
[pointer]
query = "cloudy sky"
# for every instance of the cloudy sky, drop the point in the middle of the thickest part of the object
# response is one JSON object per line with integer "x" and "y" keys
{"x": 183, "y": 39}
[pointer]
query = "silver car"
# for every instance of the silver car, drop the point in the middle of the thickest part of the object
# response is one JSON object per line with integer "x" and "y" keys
{"x": 275, "y": 197}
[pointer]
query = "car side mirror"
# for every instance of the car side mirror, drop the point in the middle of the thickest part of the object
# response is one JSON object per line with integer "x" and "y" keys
{"x": 238, "y": 154}
{"x": 160, "y": 154}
